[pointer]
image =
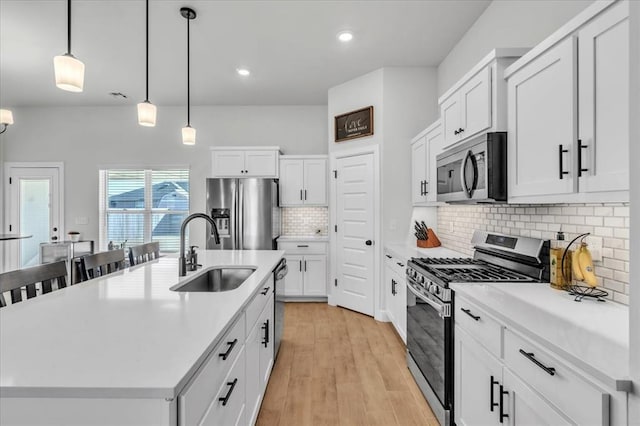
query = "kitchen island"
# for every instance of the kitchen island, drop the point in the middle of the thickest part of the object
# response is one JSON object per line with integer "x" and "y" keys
{"x": 126, "y": 349}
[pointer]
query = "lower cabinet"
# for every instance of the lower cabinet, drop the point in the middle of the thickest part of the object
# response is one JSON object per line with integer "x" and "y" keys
{"x": 396, "y": 294}
{"x": 524, "y": 384}
{"x": 307, "y": 262}
{"x": 229, "y": 387}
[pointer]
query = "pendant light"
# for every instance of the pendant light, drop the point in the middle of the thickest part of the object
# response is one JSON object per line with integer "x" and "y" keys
{"x": 147, "y": 110}
{"x": 69, "y": 71}
{"x": 6, "y": 119}
{"x": 188, "y": 132}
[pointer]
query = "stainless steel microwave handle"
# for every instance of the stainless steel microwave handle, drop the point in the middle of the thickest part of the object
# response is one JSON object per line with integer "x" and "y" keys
{"x": 463, "y": 176}
{"x": 440, "y": 307}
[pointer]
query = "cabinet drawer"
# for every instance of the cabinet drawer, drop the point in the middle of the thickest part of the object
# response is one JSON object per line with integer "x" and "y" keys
{"x": 303, "y": 247}
{"x": 397, "y": 265}
{"x": 258, "y": 302}
{"x": 199, "y": 393}
{"x": 231, "y": 394}
{"x": 480, "y": 325}
{"x": 581, "y": 401}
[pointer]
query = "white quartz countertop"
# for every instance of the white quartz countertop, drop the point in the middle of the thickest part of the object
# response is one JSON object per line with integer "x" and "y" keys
{"x": 405, "y": 251}
{"x": 124, "y": 335}
{"x": 294, "y": 238}
{"x": 589, "y": 334}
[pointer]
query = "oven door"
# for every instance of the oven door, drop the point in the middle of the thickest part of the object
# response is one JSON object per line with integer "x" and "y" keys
{"x": 429, "y": 348}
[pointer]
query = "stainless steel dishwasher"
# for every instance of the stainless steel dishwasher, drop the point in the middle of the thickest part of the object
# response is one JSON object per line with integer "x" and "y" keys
{"x": 278, "y": 276}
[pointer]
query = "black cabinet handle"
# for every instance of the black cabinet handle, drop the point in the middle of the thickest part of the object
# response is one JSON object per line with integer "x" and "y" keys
{"x": 226, "y": 354}
{"x": 460, "y": 130}
{"x": 580, "y": 148}
{"x": 468, "y": 312}
{"x": 265, "y": 291}
{"x": 301, "y": 195}
{"x": 303, "y": 245}
{"x": 502, "y": 394}
{"x": 225, "y": 398}
{"x": 531, "y": 357}
{"x": 388, "y": 256}
{"x": 300, "y": 261}
{"x": 305, "y": 195}
{"x": 493, "y": 404}
{"x": 561, "y": 171}
{"x": 400, "y": 264}
{"x": 393, "y": 287}
{"x": 265, "y": 327}
{"x": 425, "y": 187}
{"x": 455, "y": 132}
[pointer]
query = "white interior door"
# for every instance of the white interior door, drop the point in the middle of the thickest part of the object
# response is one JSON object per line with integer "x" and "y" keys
{"x": 33, "y": 207}
{"x": 354, "y": 238}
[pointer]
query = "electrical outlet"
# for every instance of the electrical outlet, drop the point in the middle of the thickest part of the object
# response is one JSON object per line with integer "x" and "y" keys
{"x": 595, "y": 247}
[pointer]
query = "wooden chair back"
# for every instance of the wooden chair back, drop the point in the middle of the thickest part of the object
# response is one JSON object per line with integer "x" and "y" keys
{"x": 46, "y": 275}
{"x": 144, "y": 253}
{"x": 99, "y": 264}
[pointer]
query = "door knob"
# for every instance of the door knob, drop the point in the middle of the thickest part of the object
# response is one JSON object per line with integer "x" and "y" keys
{"x": 368, "y": 242}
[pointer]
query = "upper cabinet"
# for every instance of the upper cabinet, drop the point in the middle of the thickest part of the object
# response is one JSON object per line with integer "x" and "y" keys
{"x": 569, "y": 112}
{"x": 478, "y": 102}
{"x": 424, "y": 149}
{"x": 245, "y": 162}
{"x": 303, "y": 180}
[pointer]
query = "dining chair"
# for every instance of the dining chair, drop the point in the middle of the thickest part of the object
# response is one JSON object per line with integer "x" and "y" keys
{"x": 99, "y": 264}
{"x": 144, "y": 253}
{"x": 28, "y": 279}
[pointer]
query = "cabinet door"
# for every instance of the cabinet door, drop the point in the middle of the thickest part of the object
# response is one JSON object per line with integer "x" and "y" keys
{"x": 293, "y": 280}
{"x": 261, "y": 164}
{"x": 315, "y": 275}
{"x": 477, "y": 380}
{"x": 542, "y": 120}
{"x": 227, "y": 163}
{"x": 475, "y": 101}
{"x": 389, "y": 292}
{"x": 450, "y": 114}
{"x": 253, "y": 376}
{"x": 266, "y": 344}
{"x": 400, "y": 306}
{"x": 525, "y": 407}
{"x": 291, "y": 182}
{"x": 315, "y": 182}
{"x": 435, "y": 139}
{"x": 418, "y": 170}
{"x": 603, "y": 52}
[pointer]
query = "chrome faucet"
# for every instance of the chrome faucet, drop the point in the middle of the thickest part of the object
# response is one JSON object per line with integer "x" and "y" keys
{"x": 214, "y": 233}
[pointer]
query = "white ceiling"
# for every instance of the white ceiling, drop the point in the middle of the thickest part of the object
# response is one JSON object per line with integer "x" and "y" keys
{"x": 289, "y": 46}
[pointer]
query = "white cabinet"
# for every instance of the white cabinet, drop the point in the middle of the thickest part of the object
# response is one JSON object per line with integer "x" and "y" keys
{"x": 245, "y": 162}
{"x": 569, "y": 113}
{"x": 395, "y": 289}
{"x": 424, "y": 174}
{"x": 259, "y": 348}
{"x": 307, "y": 276}
{"x": 303, "y": 180}
{"x": 477, "y": 102}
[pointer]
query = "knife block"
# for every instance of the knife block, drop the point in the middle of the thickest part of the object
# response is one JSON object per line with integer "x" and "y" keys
{"x": 431, "y": 241}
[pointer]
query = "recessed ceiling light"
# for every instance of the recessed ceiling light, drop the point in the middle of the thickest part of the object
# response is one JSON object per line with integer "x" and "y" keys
{"x": 345, "y": 36}
{"x": 243, "y": 72}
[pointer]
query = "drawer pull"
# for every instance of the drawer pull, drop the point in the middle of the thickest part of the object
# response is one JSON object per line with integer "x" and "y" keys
{"x": 468, "y": 312}
{"x": 303, "y": 245}
{"x": 493, "y": 404}
{"x": 226, "y": 354}
{"x": 388, "y": 256}
{"x": 265, "y": 291}
{"x": 265, "y": 327}
{"x": 502, "y": 394}
{"x": 400, "y": 264}
{"x": 531, "y": 357}
{"x": 225, "y": 398}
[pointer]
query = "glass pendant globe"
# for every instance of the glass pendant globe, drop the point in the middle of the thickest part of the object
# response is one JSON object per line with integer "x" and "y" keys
{"x": 188, "y": 135}
{"x": 69, "y": 73}
{"x": 147, "y": 114}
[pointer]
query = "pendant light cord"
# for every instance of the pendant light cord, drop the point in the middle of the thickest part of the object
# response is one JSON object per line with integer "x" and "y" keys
{"x": 68, "y": 27}
{"x": 188, "y": 75}
{"x": 147, "y": 47}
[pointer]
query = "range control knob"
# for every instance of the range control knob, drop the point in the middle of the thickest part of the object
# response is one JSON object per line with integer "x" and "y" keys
{"x": 433, "y": 288}
{"x": 421, "y": 279}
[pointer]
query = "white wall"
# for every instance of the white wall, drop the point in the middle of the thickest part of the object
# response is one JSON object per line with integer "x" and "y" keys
{"x": 85, "y": 138}
{"x": 505, "y": 23}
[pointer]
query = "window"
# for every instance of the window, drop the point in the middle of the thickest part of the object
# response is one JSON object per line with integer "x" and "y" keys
{"x": 138, "y": 206}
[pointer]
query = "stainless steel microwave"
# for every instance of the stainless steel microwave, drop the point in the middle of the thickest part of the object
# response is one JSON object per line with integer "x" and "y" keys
{"x": 474, "y": 172}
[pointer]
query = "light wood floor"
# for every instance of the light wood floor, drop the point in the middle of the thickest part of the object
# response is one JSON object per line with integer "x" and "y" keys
{"x": 338, "y": 367}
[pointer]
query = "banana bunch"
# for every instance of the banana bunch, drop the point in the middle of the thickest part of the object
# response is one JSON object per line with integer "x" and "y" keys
{"x": 582, "y": 265}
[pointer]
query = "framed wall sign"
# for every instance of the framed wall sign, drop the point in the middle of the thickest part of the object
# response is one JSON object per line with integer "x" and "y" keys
{"x": 354, "y": 124}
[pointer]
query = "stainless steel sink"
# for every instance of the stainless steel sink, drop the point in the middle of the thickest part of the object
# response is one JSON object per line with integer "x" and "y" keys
{"x": 217, "y": 279}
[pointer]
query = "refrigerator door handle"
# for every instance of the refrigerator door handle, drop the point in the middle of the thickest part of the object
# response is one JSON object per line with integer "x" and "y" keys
{"x": 240, "y": 234}
{"x": 234, "y": 218}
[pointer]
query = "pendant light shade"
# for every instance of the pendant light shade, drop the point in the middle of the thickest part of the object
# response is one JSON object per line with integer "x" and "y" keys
{"x": 188, "y": 135}
{"x": 6, "y": 119}
{"x": 69, "y": 71}
{"x": 188, "y": 132}
{"x": 147, "y": 110}
{"x": 146, "y": 114}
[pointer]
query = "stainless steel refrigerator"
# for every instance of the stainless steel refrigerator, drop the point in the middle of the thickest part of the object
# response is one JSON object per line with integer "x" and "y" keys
{"x": 246, "y": 212}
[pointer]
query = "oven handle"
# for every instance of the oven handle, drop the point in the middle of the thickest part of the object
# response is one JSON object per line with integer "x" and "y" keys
{"x": 443, "y": 309}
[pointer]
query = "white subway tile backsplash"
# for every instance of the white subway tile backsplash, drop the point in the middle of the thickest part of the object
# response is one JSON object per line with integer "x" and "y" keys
{"x": 305, "y": 221}
{"x": 609, "y": 221}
